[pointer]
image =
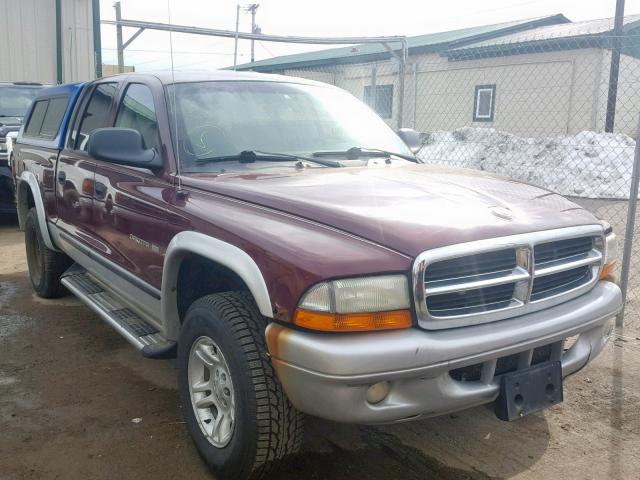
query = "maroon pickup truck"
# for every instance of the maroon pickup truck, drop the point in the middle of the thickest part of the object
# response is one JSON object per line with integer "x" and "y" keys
{"x": 289, "y": 249}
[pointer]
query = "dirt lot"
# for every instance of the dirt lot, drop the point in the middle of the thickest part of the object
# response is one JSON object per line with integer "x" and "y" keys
{"x": 70, "y": 387}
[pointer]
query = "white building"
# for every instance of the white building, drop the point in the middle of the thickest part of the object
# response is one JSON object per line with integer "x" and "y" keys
{"x": 538, "y": 77}
{"x": 49, "y": 41}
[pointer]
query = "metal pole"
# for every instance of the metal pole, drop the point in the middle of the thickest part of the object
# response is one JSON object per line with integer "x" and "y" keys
{"x": 168, "y": 27}
{"x": 631, "y": 225}
{"x": 415, "y": 93}
{"x": 235, "y": 46}
{"x": 59, "y": 66}
{"x": 401, "y": 72}
{"x": 252, "y": 8}
{"x": 253, "y": 30}
{"x": 119, "y": 46}
{"x": 373, "y": 99}
{"x": 97, "y": 40}
{"x": 614, "y": 69}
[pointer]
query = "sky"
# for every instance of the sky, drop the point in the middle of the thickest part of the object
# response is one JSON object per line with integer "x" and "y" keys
{"x": 326, "y": 18}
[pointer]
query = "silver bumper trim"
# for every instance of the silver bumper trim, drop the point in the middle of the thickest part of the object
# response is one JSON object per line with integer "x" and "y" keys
{"x": 328, "y": 375}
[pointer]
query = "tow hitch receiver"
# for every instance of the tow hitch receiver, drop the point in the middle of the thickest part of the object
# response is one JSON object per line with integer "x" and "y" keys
{"x": 529, "y": 390}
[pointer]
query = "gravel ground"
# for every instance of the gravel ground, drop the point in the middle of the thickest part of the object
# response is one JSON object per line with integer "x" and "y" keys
{"x": 70, "y": 387}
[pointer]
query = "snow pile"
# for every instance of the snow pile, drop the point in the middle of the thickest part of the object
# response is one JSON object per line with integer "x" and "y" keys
{"x": 588, "y": 164}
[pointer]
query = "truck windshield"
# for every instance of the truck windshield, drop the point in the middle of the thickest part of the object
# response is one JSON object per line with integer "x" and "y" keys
{"x": 15, "y": 100}
{"x": 220, "y": 119}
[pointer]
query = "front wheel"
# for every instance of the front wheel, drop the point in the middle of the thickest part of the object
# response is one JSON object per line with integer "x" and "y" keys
{"x": 45, "y": 265}
{"x": 235, "y": 408}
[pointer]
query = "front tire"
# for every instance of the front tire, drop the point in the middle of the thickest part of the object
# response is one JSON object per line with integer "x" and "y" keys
{"x": 235, "y": 408}
{"x": 45, "y": 266}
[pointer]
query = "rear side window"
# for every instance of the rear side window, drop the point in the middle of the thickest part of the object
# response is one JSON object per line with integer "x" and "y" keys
{"x": 138, "y": 112}
{"x": 53, "y": 118}
{"x": 34, "y": 125}
{"x": 95, "y": 115}
{"x": 46, "y": 118}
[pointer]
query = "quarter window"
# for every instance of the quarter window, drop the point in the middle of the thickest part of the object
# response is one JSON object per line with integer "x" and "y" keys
{"x": 137, "y": 111}
{"x": 95, "y": 115}
{"x": 382, "y": 101}
{"x": 46, "y": 117}
{"x": 484, "y": 104}
{"x": 32, "y": 128}
{"x": 53, "y": 118}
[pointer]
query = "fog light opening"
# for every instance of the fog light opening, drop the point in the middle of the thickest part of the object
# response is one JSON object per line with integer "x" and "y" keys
{"x": 378, "y": 392}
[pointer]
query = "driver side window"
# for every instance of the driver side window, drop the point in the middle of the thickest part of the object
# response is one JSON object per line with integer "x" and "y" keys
{"x": 138, "y": 112}
{"x": 95, "y": 114}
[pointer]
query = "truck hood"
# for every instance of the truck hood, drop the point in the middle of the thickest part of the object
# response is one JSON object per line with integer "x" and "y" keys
{"x": 406, "y": 208}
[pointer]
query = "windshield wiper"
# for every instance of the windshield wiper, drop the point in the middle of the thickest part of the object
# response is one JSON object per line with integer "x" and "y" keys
{"x": 251, "y": 156}
{"x": 354, "y": 153}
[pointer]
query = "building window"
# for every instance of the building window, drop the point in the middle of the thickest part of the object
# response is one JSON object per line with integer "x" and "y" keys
{"x": 485, "y": 103}
{"x": 382, "y": 102}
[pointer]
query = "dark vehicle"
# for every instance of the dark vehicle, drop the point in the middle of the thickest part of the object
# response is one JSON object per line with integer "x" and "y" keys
{"x": 15, "y": 100}
{"x": 286, "y": 246}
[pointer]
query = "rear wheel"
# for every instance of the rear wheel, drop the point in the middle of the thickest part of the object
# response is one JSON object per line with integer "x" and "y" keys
{"x": 45, "y": 265}
{"x": 236, "y": 411}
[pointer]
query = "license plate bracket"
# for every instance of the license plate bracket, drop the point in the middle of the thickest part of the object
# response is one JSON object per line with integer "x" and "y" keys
{"x": 529, "y": 390}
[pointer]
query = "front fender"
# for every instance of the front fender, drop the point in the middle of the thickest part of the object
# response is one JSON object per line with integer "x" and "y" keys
{"x": 187, "y": 243}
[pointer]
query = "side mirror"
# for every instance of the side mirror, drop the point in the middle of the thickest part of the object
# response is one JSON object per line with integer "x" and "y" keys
{"x": 411, "y": 138}
{"x": 123, "y": 146}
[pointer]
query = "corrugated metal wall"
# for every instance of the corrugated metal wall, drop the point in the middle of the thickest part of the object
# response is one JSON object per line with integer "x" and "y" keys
{"x": 28, "y": 35}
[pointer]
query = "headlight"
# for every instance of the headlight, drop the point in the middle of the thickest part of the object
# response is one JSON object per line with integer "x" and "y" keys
{"x": 610, "y": 257}
{"x": 356, "y": 304}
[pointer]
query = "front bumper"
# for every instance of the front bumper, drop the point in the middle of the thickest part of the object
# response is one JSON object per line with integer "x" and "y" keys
{"x": 328, "y": 375}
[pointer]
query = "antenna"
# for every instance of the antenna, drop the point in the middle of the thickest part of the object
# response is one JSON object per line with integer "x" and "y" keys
{"x": 175, "y": 105}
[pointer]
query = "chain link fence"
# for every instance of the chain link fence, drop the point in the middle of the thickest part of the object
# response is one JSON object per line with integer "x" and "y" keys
{"x": 531, "y": 106}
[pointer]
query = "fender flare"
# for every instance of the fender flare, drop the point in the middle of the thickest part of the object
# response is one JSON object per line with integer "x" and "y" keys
{"x": 31, "y": 182}
{"x": 235, "y": 259}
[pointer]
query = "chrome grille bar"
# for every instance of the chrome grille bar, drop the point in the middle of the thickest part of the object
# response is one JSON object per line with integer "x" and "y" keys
{"x": 571, "y": 263}
{"x": 486, "y": 280}
{"x": 590, "y": 258}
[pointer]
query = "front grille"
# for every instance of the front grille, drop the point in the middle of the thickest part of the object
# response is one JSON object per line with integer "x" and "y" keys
{"x": 501, "y": 260}
{"x": 559, "y": 282}
{"x": 494, "y": 279}
{"x": 562, "y": 249}
{"x": 469, "y": 301}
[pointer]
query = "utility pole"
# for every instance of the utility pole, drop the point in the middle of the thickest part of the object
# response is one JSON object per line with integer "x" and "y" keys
{"x": 119, "y": 44}
{"x": 235, "y": 47}
{"x": 254, "y": 28}
{"x": 614, "y": 69}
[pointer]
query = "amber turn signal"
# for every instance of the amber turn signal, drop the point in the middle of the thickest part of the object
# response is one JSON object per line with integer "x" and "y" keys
{"x": 353, "y": 322}
{"x": 608, "y": 272}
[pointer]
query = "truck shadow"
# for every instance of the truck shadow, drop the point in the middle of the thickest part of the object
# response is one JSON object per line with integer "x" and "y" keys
{"x": 480, "y": 447}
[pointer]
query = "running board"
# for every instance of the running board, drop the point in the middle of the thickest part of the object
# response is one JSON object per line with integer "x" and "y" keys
{"x": 137, "y": 331}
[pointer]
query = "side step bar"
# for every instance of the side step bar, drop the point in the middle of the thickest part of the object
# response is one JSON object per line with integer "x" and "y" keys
{"x": 137, "y": 331}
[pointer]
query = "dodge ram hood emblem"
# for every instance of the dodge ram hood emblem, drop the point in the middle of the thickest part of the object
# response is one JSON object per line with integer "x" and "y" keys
{"x": 502, "y": 212}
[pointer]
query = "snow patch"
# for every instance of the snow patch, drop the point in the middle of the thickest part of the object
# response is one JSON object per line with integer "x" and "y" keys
{"x": 587, "y": 164}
